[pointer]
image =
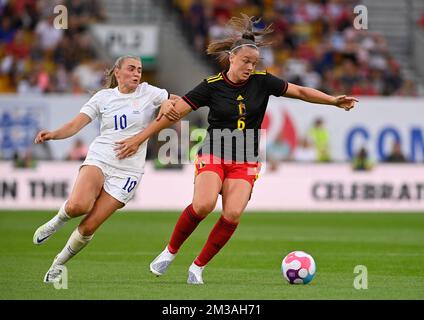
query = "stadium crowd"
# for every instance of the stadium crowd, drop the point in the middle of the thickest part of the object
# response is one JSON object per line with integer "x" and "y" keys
{"x": 315, "y": 43}
{"x": 36, "y": 57}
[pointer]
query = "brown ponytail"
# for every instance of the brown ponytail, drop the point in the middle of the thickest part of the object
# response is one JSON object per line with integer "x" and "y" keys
{"x": 244, "y": 26}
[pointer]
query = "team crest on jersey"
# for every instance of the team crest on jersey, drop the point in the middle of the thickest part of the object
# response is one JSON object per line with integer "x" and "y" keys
{"x": 241, "y": 106}
{"x": 135, "y": 103}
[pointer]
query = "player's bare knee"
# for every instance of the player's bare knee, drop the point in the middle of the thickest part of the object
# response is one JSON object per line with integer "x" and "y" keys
{"x": 232, "y": 215}
{"x": 203, "y": 208}
{"x": 77, "y": 208}
{"x": 87, "y": 229}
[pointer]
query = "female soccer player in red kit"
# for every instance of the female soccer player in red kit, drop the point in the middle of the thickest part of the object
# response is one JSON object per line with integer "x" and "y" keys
{"x": 237, "y": 99}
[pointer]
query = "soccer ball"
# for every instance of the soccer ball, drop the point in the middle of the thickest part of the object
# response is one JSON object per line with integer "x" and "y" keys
{"x": 298, "y": 267}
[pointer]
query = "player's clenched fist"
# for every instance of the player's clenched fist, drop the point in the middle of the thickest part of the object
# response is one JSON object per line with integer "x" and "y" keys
{"x": 43, "y": 135}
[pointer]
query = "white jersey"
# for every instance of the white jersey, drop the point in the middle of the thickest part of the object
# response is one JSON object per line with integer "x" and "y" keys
{"x": 122, "y": 116}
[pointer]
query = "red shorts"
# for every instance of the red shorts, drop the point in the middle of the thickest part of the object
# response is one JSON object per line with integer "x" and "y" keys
{"x": 248, "y": 171}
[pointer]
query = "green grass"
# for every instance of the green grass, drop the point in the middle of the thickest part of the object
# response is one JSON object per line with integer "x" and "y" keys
{"x": 115, "y": 264}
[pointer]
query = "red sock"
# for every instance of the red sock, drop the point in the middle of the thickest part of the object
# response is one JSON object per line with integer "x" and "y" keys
{"x": 186, "y": 224}
{"x": 220, "y": 234}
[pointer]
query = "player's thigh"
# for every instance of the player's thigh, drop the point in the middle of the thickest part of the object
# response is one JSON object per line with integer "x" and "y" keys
{"x": 122, "y": 185}
{"x": 235, "y": 196}
{"x": 207, "y": 187}
{"x": 104, "y": 206}
{"x": 87, "y": 188}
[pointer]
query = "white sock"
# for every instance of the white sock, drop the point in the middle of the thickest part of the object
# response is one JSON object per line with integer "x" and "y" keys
{"x": 62, "y": 214}
{"x": 60, "y": 218}
{"x": 196, "y": 268}
{"x": 74, "y": 245}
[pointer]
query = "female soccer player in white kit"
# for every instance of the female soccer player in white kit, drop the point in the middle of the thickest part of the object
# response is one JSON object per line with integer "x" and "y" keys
{"x": 105, "y": 183}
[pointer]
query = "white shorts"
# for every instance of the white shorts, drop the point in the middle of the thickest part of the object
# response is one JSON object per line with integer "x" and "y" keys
{"x": 118, "y": 183}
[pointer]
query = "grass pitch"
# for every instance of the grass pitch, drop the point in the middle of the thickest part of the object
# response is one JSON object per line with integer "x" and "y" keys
{"x": 115, "y": 264}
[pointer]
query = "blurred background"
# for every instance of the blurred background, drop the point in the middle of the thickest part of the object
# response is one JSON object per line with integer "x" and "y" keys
{"x": 368, "y": 159}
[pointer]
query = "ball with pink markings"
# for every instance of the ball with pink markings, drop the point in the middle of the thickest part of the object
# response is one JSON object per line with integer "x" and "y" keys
{"x": 298, "y": 267}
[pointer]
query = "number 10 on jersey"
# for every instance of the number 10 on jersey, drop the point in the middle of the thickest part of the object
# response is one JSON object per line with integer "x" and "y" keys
{"x": 120, "y": 122}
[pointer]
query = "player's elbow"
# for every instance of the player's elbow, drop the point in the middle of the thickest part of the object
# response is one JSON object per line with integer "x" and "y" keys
{"x": 297, "y": 92}
{"x": 304, "y": 93}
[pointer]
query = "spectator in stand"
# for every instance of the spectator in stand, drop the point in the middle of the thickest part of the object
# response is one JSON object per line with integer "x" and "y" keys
{"x": 197, "y": 23}
{"x": 83, "y": 12}
{"x": 78, "y": 152}
{"x": 408, "y": 89}
{"x": 305, "y": 151}
{"x": 349, "y": 76}
{"x": 18, "y": 48}
{"x": 24, "y": 161}
{"x": 361, "y": 161}
{"x": 89, "y": 75}
{"x": 28, "y": 84}
{"x": 48, "y": 35}
{"x": 7, "y": 30}
{"x": 330, "y": 83}
{"x": 396, "y": 155}
{"x": 276, "y": 152}
{"x": 219, "y": 28}
{"x": 321, "y": 138}
{"x": 61, "y": 79}
{"x": 376, "y": 79}
{"x": 364, "y": 88}
{"x": 311, "y": 78}
{"x": 392, "y": 77}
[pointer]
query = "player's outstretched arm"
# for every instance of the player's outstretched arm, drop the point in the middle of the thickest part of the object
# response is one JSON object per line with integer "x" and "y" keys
{"x": 316, "y": 96}
{"x": 66, "y": 131}
{"x": 128, "y": 147}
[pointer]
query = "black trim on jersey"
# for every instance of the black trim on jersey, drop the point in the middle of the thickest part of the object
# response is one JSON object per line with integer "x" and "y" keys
{"x": 190, "y": 103}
